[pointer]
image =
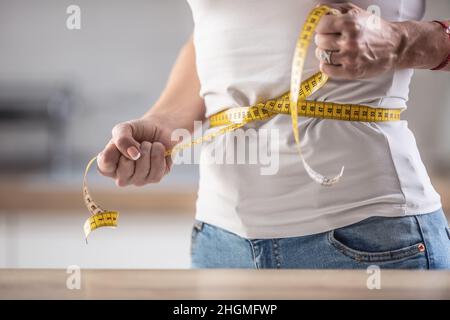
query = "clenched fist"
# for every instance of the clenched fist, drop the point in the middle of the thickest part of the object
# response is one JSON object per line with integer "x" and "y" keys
{"x": 136, "y": 153}
{"x": 356, "y": 44}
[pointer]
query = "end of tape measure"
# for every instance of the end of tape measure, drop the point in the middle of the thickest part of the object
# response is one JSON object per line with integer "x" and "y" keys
{"x": 330, "y": 181}
{"x": 99, "y": 220}
{"x": 321, "y": 179}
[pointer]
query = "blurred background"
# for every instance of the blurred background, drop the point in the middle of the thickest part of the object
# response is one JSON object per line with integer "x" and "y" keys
{"x": 61, "y": 92}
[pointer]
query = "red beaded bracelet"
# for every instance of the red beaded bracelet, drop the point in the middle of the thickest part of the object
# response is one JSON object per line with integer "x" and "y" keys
{"x": 446, "y": 60}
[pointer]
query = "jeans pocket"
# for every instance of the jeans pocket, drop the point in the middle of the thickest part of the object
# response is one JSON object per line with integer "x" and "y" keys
{"x": 377, "y": 256}
{"x": 379, "y": 240}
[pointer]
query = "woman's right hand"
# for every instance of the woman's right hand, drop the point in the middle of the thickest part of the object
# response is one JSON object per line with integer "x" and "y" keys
{"x": 135, "y": 154}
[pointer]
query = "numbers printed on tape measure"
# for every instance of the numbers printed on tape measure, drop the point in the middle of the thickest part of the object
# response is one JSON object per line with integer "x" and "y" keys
{"x": 306, "y": 108}
{"x": 294, "y": 103}
{"x": 99, "y": 217}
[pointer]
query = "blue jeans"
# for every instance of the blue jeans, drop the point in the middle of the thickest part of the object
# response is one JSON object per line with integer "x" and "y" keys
{"x": 408, "y": 242}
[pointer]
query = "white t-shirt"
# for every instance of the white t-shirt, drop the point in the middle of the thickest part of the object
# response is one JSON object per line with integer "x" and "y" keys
{"x": 244, "y": 52}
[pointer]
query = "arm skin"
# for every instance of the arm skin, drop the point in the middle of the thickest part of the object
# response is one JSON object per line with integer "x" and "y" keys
{"x": 135, "y": 154}
{"x": 424, "y": 45}
{"x": 362, "y": 49}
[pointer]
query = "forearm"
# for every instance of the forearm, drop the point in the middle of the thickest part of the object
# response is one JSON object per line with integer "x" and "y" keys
{"x": 180, "y": 104}
{"x": 423, "y": 45}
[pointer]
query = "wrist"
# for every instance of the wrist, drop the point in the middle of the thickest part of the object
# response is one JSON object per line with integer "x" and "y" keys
{"x": 422, "y": 45}
{"x": 402, "y": 38}
{"x": 158, "y": 115}
{"x": 445, "y": 27}
{"x": 168, "y": 117}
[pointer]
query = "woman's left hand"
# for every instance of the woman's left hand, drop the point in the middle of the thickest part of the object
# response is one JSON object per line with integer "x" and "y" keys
{"x": 356, "y": 44}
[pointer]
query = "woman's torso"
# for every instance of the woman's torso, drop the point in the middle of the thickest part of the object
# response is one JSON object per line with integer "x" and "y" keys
{"x": 244, "y": 53}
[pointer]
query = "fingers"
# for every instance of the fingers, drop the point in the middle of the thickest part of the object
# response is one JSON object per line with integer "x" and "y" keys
{"x": 339, "y": 43}
{"x": 340, "y": 71}
{"x": 122, "y": 137}
{"x": 336, "y": 58}
{"x": 329, "y": 24}
{"x": 108, "y": 160}
{"x": 158, "y": 163}
{"x": 125, "y": 171}
{"x": 327, "y": 41}
{"x": 344, "y": 7}
{"x": 330, "y": 70}
{"x": 142, "y": 168}
{"x": 169, "y": 164}
{"x": 342, "y": 24}
{"x": 149, "y": 168}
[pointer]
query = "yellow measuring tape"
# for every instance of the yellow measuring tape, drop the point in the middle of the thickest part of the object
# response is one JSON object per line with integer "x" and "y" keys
{"x": 99, "y": 217}
{"x": 310, "y": 109}
{"x": 293, "y": 102}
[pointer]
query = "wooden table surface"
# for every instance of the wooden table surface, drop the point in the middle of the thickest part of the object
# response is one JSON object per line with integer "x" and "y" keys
{"x": 22, "y": 195}
{"x": 223, "y": 284}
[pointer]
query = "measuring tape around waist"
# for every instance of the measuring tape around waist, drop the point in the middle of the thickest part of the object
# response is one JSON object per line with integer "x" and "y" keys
{"x": 294, "y": 103}
{"x": 306, "y": 108}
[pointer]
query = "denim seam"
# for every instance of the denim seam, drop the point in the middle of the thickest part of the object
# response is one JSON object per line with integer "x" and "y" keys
{"x": 430, "y": 260}
{"x": 386, "y": 256}
{"x": 276, "y": 253}
{"x": 253, "y": 253}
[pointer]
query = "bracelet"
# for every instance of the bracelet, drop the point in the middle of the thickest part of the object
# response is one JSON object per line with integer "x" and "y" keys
{"x": 446, "y": 61}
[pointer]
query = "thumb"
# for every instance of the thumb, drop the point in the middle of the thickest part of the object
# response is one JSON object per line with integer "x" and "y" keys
{"x": 122, "y": 137}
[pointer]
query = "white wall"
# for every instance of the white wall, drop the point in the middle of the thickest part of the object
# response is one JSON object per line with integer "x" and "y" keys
{"x": 429, "y": 106}
{"x": 118, "y": 62}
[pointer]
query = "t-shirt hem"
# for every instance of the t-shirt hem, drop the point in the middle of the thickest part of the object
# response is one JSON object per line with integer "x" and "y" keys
{"x": 322, "y": 224}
